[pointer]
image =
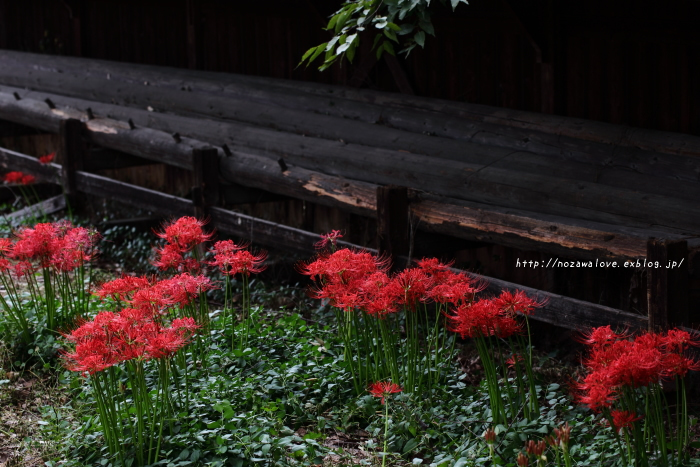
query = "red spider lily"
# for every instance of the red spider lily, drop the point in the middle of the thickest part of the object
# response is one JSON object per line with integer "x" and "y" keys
{"x": 678, "y": 365}
{"x": 28, "y": 179}
{"x": 246, "y": 263}
{"x": 434, "y": 267}
{"x": 677, "y": 340}
{"x": 155, "y": 298}
{"x": 601, "y": 336}
{"x": 13, "y": 177}
{"x": 514, "y": 360}
{"x": 168, "y": 257}
{"x": 48, "y": 158}
{"x": 112, "y": 338}
{"x": 380, "y": 294}
{"x": 415, "y": 284}
{"x": 454, "y": 289}
{"x": 184, "y": 288}
{"x": 615, "y": 362}
{"x": 122, "y": 288}
{"x": 623, "y": 419}
{"x": 5, "y": 246}
{"x": 37, "y": 244}
{"x": 382, "y": 389}
{"x": 77, "y": 246}
{"x": 232, "y": 259}
{"x": 517, "y": 302}
{"x": 482, "y": 319}
{"x": 331, "y": 238}
{"x": 185, "y": 233}
{"x": 344, "y": 266}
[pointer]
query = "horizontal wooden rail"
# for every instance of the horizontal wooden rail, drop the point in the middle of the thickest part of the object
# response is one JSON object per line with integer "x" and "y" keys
{"x": 559, "y": 310}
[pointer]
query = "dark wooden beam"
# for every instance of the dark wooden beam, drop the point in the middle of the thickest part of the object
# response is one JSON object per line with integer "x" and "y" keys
{"x": 393, "y": 230}
{"x": 667, "y": 283}
{"x": 73, "y": 154}
{"x": 206, "y": 192}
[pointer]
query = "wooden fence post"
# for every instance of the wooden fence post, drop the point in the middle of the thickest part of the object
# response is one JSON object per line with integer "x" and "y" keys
{"x": 393, "y": 229}
{"x": 73, "y": 151}
{"x": 667, "y": 284}
{"x": 206, "y": 190}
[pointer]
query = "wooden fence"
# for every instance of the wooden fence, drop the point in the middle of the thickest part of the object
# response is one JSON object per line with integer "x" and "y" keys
{"x": 576, "y": 189}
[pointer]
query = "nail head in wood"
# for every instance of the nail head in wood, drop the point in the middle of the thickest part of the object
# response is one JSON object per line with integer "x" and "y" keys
{"x": 283, "y": 165}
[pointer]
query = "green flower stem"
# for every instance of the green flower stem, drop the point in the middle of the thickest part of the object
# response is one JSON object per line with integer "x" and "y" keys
{"x": 386, "y": 429}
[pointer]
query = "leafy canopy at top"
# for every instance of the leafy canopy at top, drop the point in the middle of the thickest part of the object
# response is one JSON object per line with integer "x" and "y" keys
{"x": 401, "y": 22}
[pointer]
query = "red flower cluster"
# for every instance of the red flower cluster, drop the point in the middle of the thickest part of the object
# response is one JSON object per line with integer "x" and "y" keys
{"x": 19, "y": 178}
{"x": 358, "y": 280}
{"x": 112, "y": 338}
{"x": 157, "y": 297}
{"x": 492, "y": 317}
{"x": 48, "y": 158}
{"x": 381, "y": 389}
{"x": 181, "y": 237}
{"x": 617, "y": 361}
{"x": 56, "y": 245}
{"x": 331, "y": 238}
{"x": 234, "y": 259}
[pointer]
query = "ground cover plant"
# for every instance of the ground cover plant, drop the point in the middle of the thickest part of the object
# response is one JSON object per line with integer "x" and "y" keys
{"x": 194, "y": 366}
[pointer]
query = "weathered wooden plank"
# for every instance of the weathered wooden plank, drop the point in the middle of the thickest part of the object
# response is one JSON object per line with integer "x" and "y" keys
{"x": 564, "y": 126}
{"x": 475, "y": 182}
{"x": 36, "y": 211}
{"x": 107, "y": 132}
{"x": 527, "y": 230}
{"x": 614, "y": 151}
{"x": 627, "y": 169}
{"x": 264, "y": 173}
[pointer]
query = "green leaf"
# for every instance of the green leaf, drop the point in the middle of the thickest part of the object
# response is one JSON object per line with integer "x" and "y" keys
{"x": 393, "y": 26}
{"x": 427, "y": 26}
{"x": 332, "y": 22}
{"x": 391, "y": 35}
{"x": 420, "y": 38}
{"x": 389, "y": 48}
{"x": 342, "y": 20}
{"x": 350, "y": 54}
{"x": 410, "y": 445}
